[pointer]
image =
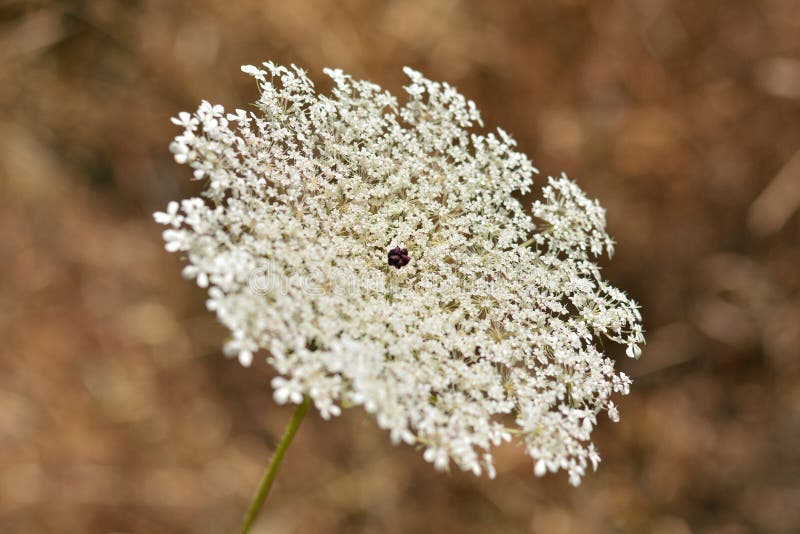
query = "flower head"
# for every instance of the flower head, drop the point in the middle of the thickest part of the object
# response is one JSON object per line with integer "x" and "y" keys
{"x": 477, "y": 325}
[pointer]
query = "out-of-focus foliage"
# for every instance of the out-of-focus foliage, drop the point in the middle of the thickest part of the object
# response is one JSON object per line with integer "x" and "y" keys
{"x": 117, "y": 411}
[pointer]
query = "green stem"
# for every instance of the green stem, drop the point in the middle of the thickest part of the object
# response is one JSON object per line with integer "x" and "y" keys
{"x": 269, "y": 476}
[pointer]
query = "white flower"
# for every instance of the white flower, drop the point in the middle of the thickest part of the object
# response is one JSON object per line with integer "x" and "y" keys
{"x": 397, "y": 271}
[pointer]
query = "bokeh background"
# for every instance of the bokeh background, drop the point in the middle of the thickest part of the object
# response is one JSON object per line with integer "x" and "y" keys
{"x": 118, "y": 412}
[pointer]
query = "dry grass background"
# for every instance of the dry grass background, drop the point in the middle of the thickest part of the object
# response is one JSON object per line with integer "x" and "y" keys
{"x": 117, "y": 411}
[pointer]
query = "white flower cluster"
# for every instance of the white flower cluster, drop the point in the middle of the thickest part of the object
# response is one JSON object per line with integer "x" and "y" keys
{"x": 487, "y": 325}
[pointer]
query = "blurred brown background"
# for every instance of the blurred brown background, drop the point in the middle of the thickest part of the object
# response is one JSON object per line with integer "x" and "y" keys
{"x": 118, "y": 412}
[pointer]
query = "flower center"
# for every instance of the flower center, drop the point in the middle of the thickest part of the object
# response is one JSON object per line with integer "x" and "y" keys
{"x": 398, "y": 257}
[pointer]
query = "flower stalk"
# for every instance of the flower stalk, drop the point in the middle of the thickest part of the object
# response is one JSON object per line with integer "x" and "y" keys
{"x": 277, "y": 458}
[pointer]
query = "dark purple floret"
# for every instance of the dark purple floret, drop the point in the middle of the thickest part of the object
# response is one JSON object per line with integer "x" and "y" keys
{"x": 398, "y": 257}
